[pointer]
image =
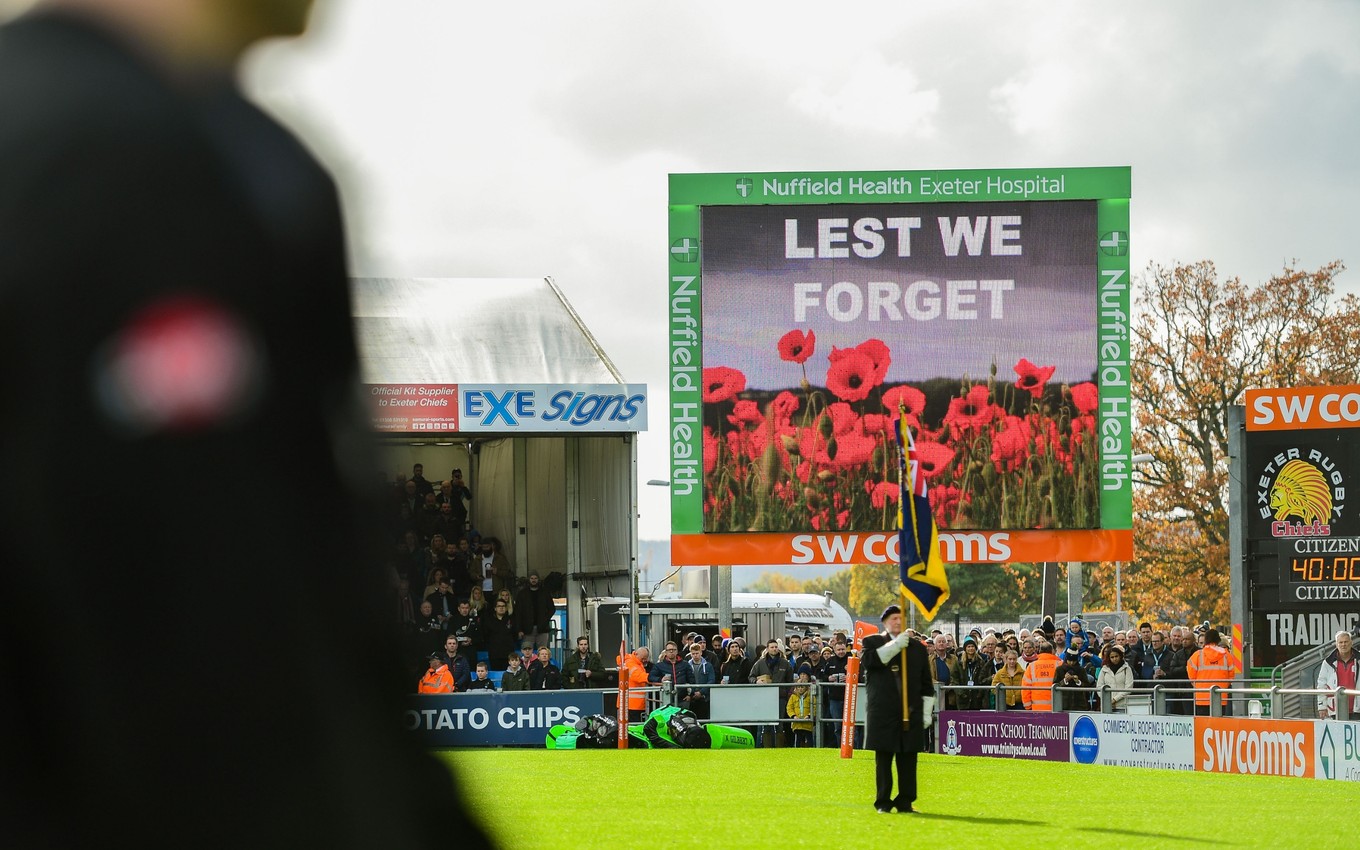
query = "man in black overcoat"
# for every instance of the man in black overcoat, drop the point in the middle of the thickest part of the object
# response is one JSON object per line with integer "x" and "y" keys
{"x": 885, "y": 655}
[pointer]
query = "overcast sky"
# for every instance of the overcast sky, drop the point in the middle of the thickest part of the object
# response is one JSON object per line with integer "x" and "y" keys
{"x": 486, "y": 140}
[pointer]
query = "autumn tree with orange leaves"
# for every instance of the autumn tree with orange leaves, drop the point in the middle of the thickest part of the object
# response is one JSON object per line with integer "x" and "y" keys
{"x": 1199, "y": 343}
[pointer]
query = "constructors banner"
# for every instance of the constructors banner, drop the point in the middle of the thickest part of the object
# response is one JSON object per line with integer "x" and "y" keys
{"x": 483, "y": 719}
{"x": 1128, "y": 740}
{"x": 807, "y": 310}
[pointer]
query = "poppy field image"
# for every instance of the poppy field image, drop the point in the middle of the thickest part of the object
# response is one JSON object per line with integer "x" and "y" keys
{"x": 995, "y": 454}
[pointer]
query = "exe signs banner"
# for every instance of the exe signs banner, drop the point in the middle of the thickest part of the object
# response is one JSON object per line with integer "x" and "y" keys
{"x": 808, "y": 309}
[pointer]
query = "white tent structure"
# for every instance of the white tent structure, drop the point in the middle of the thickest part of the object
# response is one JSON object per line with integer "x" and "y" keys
{"x": 561, "y": 495}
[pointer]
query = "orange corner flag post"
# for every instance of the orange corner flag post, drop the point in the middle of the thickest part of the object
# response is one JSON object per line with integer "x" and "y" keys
{"x": 852, "y": 690}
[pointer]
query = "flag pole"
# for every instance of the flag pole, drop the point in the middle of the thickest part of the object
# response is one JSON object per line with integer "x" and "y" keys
{"x": 906, "y": 702}
{"x": 901, "y": 589}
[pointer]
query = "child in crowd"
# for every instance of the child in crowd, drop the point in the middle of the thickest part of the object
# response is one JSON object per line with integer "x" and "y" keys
{"x": 802, "y": 708}
{"x": 481, "y": 682}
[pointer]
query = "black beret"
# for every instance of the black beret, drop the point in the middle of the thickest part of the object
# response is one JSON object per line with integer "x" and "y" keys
{"x": 889, "y": 611}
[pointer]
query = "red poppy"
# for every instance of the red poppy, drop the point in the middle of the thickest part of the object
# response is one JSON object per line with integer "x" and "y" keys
{"x": 853, "y": 448}
{"x": 904, "y": 397}
{"x": 882, "y": 493}
{"x": 1032, "y": 378}
{"x": 876, "y": 423}
{"x": 710, "y": 450}
{"x": 722, "y": 383}
{"x": 877, "y": 351}
{"x": 933, "y": 458}
{"x": 745, "y": 412}
{"x": 1011, "y": 445}
{"x": 842, "y": 519}
{"x": 1085, "y": 396}
{"x": 796, "y": 346}
{"x": 970, "y": 411}
{"x": 1082, "y": 424}
{"x": 785, "y": 405}
{"x": 844, "y": 420}
{"x": 944, "y": 504}
{"x": 851, "y": 375}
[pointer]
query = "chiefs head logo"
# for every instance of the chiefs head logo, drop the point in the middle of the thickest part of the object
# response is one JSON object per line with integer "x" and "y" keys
{"x": 1301, "y": 492}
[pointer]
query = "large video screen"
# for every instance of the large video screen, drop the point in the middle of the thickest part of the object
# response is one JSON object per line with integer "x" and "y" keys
{"x": 807, "y": 311}
{"x": 821, "y": 323}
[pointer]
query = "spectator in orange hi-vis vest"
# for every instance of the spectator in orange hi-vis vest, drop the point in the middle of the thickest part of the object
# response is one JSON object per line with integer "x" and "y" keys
{"x": 1212, "y": 665}
{"x": 637, "y": 666}
{"x": 437, "y": 679}
{"x": 1038, "y": 681}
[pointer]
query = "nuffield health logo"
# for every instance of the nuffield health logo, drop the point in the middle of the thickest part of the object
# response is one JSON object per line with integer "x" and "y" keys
{"x": 1114, "y": 244}
{"x": 685, "y": 250}
{"x": 744, "y": 186}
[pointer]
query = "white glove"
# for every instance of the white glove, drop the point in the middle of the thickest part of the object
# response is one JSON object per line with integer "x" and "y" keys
{"x": 927, "y": 708}
{"x": 892, "y": 647}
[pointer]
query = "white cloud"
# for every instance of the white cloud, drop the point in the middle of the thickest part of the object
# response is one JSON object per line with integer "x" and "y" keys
{"x": 472, "y": 140}
{"x": 874, "y": 95}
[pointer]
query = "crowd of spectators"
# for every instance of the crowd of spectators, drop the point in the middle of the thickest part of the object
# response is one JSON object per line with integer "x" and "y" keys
{"x": 449, "y": 583}
{"x": 1027, "y": 663}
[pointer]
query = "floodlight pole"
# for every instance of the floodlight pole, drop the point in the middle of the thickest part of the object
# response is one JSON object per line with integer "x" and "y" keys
{"x": 1237, "y": 532}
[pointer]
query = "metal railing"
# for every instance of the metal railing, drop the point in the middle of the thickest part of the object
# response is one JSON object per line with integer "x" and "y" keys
{"x": 1267, "y": 695}
{"x": 671, "y": 694}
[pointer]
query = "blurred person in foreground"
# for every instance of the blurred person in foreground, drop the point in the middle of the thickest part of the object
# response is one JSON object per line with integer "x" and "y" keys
{"x": 174, "y": 301}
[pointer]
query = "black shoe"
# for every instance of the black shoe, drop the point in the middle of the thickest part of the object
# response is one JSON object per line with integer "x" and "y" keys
{"x": 883, "y": 810}
{"x": 907, "y": 809}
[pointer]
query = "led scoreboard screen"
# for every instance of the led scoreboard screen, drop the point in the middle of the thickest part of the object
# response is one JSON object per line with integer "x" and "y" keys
{"x": 1320, "y": 569}
{"x": 809, "y": 310}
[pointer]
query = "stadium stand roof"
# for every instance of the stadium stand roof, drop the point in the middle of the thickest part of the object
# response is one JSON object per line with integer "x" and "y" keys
{"x": 473, "y": 331}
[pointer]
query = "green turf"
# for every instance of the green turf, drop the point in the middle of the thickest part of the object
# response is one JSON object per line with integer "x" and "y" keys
{"x": 545, "y": 800}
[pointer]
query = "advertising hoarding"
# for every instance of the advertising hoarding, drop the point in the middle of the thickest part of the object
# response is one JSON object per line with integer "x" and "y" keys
{"x": 808, "y": 309}
{"x": 1261, "y": 747}
{"x": 480, "y": 719}
{"x": 407, "y": 408}
{"x": 1133, "y": 741}
{"x": 500, "y": 408}
{"x": 1338, "y": 750}
{"x": 1003, "y": 734}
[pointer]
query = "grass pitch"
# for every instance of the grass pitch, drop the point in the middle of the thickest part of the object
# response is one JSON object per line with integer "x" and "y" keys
{"x": 783, "y": 799}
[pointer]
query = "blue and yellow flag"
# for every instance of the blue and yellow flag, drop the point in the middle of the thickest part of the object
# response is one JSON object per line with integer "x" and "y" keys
{"x": 922, "y": 572}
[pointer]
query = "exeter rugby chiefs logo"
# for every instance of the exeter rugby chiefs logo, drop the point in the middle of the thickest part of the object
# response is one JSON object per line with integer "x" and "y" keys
{"x": 1302, "y": 492}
